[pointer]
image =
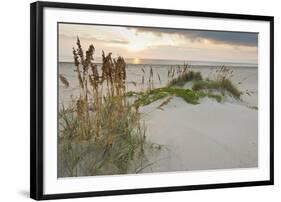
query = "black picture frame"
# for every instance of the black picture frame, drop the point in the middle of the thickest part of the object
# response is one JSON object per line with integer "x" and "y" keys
{"x": 36, "y": 98}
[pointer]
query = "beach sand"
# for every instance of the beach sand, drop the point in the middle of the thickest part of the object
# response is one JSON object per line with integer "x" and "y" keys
{"x": 209, "y": 135}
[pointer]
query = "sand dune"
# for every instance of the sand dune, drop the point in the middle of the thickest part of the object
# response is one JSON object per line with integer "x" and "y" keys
{"x": 210, "y": 135}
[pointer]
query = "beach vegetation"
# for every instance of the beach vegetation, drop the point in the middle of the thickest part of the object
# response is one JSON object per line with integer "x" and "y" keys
{"x": 185, "y": 77}
{"x": 224, "y": 86}
{"x": 189, "y": 96}
{"x": 100, "y": 132}
{"x": 222, "y": 82}
{"x": 253, "y": 107}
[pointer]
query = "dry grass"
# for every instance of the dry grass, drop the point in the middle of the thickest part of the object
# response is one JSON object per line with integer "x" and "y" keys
{"x": 64, "y": 81}
{"x": 185, "y": 77}
{"x": 100, "y": 133}
{"x": 221, "y": 83}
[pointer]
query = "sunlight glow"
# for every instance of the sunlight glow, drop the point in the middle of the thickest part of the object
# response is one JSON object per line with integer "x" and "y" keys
{"x": 175, "y": 44}
{"x": 136, "y": 60}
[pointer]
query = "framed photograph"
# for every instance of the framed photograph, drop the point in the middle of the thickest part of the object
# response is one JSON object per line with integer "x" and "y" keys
{"x": 136, "y": 100}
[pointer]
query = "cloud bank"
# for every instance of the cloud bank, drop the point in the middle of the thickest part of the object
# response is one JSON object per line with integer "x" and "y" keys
{"x": 217, "y": 37}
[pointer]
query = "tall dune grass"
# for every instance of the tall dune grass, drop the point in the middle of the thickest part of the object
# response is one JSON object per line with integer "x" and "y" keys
{"x": 184, "y": 75}
{"x": 221, "y": 83}
{"x": 224, "y": 86}
{"x": 218, "y": 88}
{"x": 100, "y": 132}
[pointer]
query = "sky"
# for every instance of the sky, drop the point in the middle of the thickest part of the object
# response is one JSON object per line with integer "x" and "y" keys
{"x": 160, "y": 43}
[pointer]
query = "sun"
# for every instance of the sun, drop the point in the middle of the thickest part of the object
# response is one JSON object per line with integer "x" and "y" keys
{"x": 136, "y": 60}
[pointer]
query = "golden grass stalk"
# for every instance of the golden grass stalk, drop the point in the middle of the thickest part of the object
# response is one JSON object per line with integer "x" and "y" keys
{"x": 64, "y": 80}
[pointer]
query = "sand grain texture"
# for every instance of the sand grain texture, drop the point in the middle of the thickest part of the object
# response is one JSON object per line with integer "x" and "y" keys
{"x": 205, "y": 136}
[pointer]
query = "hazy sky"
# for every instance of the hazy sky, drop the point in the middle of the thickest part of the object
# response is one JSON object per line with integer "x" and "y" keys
{"x": 158, "y": 43}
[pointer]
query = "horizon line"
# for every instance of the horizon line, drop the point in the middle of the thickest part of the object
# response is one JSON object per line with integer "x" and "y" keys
{"x": 186, "y": 61}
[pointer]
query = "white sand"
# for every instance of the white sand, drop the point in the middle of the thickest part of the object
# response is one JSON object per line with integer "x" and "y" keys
{"x": 210, "y": 135}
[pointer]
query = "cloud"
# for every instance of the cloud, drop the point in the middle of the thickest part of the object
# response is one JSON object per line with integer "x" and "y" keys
{"x": 94, "y": 39}
{"x": 217, "y": 37}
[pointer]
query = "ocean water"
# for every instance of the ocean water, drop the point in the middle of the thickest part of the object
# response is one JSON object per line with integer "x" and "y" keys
{"x": 245, "y": 76}
{"x": 139, "y": 61}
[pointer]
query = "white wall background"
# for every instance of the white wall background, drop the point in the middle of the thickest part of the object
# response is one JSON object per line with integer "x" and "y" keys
{"x": 14, "y": 100}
